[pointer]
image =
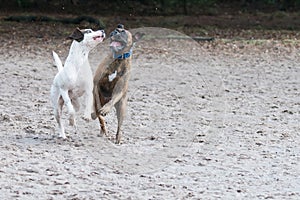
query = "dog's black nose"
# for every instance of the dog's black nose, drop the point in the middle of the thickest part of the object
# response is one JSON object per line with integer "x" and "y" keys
{"x": 120, "y": 26}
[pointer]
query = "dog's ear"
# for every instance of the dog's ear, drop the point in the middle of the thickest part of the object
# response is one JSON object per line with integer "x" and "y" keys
{"x": 137, "y": 36}
{"x": 77, "y": 35}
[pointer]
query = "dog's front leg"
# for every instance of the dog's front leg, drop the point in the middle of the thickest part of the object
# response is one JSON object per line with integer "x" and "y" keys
{"x": 108, "y": 106}
{"x": 117, "y": 94}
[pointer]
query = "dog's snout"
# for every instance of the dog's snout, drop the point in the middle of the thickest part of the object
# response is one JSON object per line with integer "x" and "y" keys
{"x": 103, "y": 33}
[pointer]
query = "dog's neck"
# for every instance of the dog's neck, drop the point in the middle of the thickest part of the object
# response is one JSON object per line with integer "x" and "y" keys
{"x": 78, "y": 53}
{"x": 123, "y": 55}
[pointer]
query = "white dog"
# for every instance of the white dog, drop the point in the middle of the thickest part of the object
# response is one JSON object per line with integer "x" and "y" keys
{"x": 75, "y": 79}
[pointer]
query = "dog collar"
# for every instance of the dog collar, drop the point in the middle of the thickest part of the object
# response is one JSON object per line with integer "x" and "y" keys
{"x": 124, "y": 55}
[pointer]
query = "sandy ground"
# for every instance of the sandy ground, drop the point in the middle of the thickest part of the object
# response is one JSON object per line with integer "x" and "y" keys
{"x": 205, "y": 121}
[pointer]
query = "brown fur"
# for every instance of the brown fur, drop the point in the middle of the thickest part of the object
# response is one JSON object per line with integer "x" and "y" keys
{"x": 105, "y": 91}
{"x": 106, "y": 88}
{"x": 113, "y": 93}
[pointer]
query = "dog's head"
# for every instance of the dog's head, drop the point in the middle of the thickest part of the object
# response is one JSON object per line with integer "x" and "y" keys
{"x": 88, "y": 36}
{"x": 122, "y": 40}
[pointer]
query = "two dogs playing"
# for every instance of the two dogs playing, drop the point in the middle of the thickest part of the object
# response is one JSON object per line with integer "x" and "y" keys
{"x": 106, "y": 90}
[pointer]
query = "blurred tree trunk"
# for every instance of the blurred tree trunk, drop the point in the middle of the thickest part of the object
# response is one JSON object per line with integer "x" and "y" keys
{"x": 185, "y": 7}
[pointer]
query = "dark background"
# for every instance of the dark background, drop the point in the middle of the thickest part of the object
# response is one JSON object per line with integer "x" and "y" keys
{"x": 144, "y": 7}
{"x": 241, "y": 19}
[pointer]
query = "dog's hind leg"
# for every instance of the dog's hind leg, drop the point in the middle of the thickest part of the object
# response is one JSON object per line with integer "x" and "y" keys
{"x": 57, "y": 114}
{"x": 96, "y": 103}
{"x": 58, "y": 119}
{"x": 75, "y": 101}
{"x": 88, "y": 106}
{"x": 76, "y": 104}
{"x": 72, "y": 120}
{"x": 57, "y": 103}
{"x": 89, "y": 100}
{"x": 121, "y": 109}
{"x": 70, "y": 107}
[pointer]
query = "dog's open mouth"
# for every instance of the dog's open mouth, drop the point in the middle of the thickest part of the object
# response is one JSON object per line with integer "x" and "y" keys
{"x": 99, "y": 38}
{"x": 115, "y": 44}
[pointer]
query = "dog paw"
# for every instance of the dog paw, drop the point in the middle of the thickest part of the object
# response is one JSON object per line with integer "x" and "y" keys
{"x": 62, "y": 136}
{"x": 105, "y": 109}
{"x": 103, "y": 132}
{"x": 87, "y": 118}
{"x": 72, "y": 121}
{"x": 94, "y": 116}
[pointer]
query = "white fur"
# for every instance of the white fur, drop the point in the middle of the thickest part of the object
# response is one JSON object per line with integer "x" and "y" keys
{"x": 57, "y": 61}
{"x": 74, "y": 80}
{"x": 112, "y": 76}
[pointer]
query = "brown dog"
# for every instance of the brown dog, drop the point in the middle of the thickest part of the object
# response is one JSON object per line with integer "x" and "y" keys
{"x": 111, "y": 78}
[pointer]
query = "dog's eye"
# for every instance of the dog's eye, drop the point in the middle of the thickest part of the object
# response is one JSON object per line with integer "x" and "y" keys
{"x": 88, "y": 31}
{"x": 114, "y": 33}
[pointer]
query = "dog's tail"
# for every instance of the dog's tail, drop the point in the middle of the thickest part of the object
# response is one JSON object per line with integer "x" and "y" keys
{"x": 57, "y": 61}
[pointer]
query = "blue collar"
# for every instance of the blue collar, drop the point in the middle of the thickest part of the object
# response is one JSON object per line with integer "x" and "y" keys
{"x": 124, "y": 55}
